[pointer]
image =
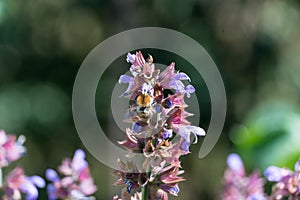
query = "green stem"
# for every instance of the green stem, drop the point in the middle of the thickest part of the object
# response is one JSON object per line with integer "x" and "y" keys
{"x": 145, "y": 190}
{"x": 1, "y": 179}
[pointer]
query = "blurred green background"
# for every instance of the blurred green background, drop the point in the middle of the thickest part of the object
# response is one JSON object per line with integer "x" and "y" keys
{"x": 255, "y": 44}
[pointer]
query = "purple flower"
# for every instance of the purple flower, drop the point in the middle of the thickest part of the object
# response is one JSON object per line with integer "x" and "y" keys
{"x": 176, "y": 83}
{"x": 51, "y": 175}
{"x": 79, "y": 163}
{"x": 185, "y": 146}
{"x": 174, "y": 190}
{"x": 130, "y": 58}
{"x": 297, "y": 166}
{"x": 188, "y": 90}
{"x": 51, "y": 192}
{"x": 235, "y": 163}
{"x": 169, "y": 179}
{"x": 137, "y": 127}
{"x": 186, "y": 131}
{"x": 180, "y": 77}
{"x": 138, "y": 59}
{"x": 129, "y": 80}
{"x": 168, "y": 133}
{"x": 17, "y": 182}
{"x": 137, "y": 62}
{"x": 76, "y": 181}
{"x": 257, "y": 197}
{"x": 274, "y": 174}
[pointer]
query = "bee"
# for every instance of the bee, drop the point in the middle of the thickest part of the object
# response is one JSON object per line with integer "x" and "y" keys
{"x": 144, "y": 101}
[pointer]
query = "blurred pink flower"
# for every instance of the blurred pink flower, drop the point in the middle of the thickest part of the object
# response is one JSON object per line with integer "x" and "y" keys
{"x": 237, "y": 185}
{"x": 17, "y": 182}
{"x": 11, "y": 148}
{"x": 76, "y": 181}
{"x": 287, "y": 182}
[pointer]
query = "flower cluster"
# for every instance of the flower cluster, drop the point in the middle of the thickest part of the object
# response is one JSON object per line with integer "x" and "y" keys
{"x": 16, "y": 182}
{"x": 159, "y": 128}
{"x": 76, "y": 183}
{"x": 238, "y": 186}
{"x": 287, "y": 182}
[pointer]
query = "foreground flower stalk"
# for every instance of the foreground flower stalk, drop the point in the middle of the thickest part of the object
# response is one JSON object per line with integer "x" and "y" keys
{"x": 159, "y": 129}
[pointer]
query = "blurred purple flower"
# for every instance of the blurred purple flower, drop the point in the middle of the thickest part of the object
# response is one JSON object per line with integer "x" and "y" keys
{"x": 275, "y": 174}
{"x": 17, "y": 182}
{"x": 76, "y": 181}
{"x": 235, "y": 163}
